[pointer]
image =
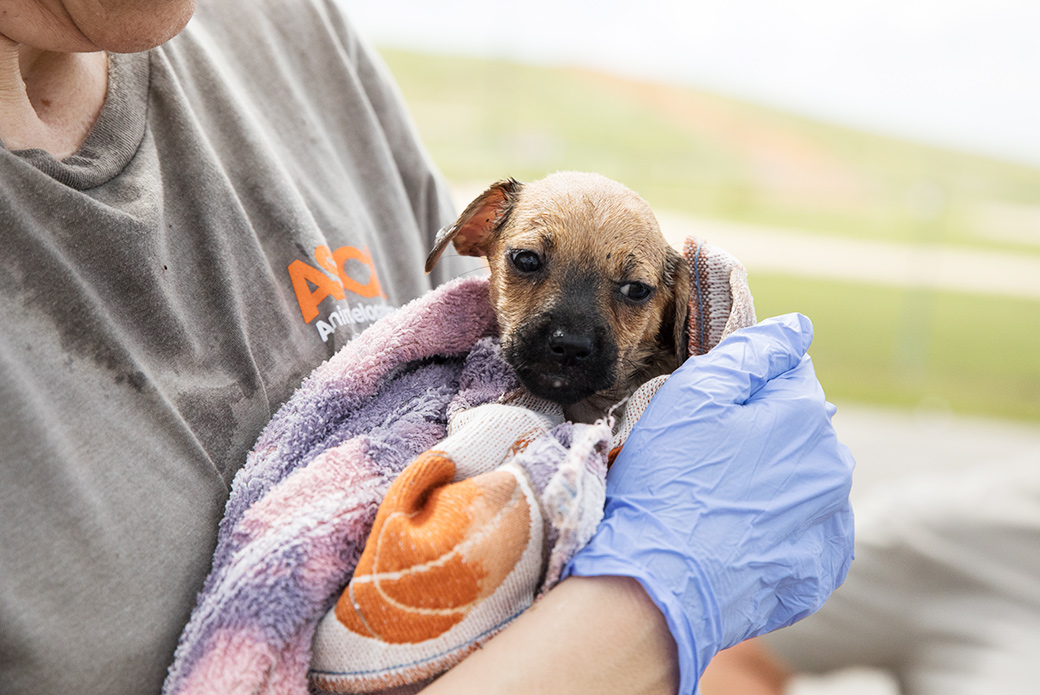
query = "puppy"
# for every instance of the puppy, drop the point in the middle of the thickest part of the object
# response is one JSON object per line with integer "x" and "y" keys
{"x": 591, "y": 300}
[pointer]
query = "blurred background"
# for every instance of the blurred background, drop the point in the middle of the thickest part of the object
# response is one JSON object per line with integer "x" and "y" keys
{"x": 875, "y": 164}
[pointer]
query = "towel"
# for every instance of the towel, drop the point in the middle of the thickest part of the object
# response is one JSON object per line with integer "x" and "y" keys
{"x": 408, "y": 501}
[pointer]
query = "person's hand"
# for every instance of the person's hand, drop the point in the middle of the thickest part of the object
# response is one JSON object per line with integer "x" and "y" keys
{"x": 729, "y": 502}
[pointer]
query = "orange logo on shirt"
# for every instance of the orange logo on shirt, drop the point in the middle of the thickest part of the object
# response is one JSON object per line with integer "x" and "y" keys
{"x": 312, "y": 286}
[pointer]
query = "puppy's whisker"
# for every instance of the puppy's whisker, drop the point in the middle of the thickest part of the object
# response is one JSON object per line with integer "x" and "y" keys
{"x": 473, "y": 272}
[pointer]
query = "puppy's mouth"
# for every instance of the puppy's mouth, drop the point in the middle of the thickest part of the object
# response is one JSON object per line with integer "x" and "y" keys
{"x": 565, "y": 389}
{"x": 560, "y": 361}
{"x": 555, "y": 387}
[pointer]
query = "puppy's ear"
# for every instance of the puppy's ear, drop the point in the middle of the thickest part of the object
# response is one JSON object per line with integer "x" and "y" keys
{"x": 678, "y": 272}
{"x": 478, "y": 224}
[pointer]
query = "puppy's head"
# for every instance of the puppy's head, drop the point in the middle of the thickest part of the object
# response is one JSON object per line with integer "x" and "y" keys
{"x": 590, "y": 298}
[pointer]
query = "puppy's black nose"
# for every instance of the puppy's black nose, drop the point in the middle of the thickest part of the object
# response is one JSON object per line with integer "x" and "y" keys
{"x": 570, "y": 347}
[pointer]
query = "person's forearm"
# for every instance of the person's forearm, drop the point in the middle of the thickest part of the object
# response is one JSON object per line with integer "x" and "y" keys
{"x": 746, "y": 669}
{"x": 588, "y": 635}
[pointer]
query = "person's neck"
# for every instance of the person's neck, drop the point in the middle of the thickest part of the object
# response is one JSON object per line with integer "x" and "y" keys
{"x": 49, "y": 100}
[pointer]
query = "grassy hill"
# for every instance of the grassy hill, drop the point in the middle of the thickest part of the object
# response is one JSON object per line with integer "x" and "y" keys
{"x": 697, "y": 152}
{"x": 707, "y": 155}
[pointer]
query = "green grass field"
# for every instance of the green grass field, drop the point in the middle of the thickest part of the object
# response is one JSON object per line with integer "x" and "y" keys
{"x": 707, "y": 155}
{"x": 889, "y": 346}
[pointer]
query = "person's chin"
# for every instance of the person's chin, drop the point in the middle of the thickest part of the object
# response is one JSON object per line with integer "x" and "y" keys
{"x": 131, "y": 26}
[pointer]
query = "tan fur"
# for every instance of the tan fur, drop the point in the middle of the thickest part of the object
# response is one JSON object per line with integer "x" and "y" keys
{"x": 593, "y": 234}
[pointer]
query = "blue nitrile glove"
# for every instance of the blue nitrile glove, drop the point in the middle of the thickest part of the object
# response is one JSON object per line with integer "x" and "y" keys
{"x": 729, "y": 502}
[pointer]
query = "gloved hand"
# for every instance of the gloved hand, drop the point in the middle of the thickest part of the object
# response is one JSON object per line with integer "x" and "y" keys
{"x": 729, "y": 502}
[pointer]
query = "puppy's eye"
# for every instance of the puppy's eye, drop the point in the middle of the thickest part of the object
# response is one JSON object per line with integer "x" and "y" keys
{"x": 636, "y": 291}
{"x": 525, "y": 261}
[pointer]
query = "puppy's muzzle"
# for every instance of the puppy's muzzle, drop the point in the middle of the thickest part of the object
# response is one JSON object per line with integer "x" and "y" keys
{"x": 562, "y": 357}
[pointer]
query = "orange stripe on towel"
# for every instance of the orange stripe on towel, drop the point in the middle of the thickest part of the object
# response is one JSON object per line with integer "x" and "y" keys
{"x": 436, "y": 549}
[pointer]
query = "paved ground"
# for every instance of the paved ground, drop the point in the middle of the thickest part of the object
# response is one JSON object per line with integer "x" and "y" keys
{"x": 890, "y": 446}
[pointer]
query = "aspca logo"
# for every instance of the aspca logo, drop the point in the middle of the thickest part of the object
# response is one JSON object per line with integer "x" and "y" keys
{"x": 347, "y": 269}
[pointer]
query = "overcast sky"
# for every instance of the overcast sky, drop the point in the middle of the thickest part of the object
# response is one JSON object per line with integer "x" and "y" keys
{"x": 964, "y": 73}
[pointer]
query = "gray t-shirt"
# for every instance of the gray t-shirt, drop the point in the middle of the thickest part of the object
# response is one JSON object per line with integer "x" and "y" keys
{"x": 252, "y": 195}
